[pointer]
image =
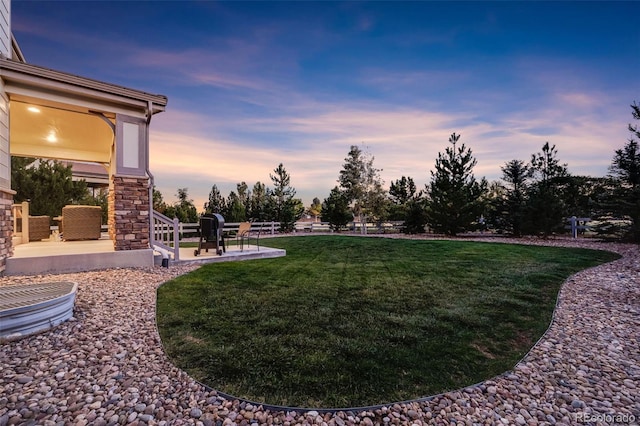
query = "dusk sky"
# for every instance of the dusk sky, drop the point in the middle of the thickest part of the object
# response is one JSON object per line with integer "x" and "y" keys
{"x": 254, "y": 84}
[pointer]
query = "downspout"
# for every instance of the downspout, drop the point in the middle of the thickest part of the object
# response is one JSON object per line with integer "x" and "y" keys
{"x": 148, "y": 171}
{"x": 165, "y": 254}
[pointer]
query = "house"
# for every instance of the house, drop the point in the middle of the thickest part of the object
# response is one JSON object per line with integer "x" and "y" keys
{"x": 51, "y": 114}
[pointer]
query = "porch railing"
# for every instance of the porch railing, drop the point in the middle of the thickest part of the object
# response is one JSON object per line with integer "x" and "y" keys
{"x": 166, "y": 234}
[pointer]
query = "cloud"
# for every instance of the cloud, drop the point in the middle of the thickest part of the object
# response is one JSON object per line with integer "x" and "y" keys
{"x": 313, "y": 138}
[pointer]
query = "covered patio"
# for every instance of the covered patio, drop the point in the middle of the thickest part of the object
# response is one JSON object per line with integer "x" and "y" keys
{"x": 60, "y": 116}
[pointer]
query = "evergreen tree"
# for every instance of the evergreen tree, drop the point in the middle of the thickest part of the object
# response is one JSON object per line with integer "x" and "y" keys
{"x": 244, "y": 196}
{"x": 454, "y": 195}
{"x": 511, "y": 209}
{"x": 184, "y": 209}
{"x": 546, "y": 208}
{"x": 625, "y": 170}
{"x": 234, "y": 211}
{"x": 407, "y": 204}
{"x": 284, "y": 207}
{"x": 335, "y": 210}
{"x": 158, "y": 201}
{"x": 216, "y": 203}
{"x": 415, "y": 217}
{"x": 47, "y": 185}
{"x": 258, "y": 203}
{"x": 402, "y": 190}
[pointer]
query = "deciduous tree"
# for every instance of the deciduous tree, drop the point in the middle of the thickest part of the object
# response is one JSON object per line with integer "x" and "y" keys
{"x": 362, "y": 186}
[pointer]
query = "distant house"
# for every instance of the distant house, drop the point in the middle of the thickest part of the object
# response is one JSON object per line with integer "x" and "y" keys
{"x": 51, "y": 114}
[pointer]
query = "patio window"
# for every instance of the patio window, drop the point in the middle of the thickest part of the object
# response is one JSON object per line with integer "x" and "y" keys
{"x": 130, "y": 146}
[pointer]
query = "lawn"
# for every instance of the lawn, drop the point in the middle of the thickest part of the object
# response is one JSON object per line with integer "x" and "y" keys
{"x": 346, "y": 321}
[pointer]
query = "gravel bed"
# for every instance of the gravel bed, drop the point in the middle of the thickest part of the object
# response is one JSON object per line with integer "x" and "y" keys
{"x": 106, "y": 366}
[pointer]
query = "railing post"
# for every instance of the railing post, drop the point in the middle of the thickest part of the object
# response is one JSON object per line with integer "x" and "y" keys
{"x": 574, "y": 227}
{"x": 176, "y": 239}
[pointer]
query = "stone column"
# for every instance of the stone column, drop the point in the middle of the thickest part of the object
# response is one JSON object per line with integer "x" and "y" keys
{"x": 131, "y": 222}
{"x": 6, "y": 228}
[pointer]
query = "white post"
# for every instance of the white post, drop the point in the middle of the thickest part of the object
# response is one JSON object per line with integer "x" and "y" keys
{"x": 574, "y": 227}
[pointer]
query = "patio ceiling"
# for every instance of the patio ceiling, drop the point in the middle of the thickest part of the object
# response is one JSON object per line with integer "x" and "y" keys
{"x": 76, "y": 114}
{"x": 57, "y": 132}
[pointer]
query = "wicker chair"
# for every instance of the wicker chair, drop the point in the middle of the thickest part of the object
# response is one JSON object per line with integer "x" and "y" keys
{"x": 39, "y": 228}
{"x": 81, "y": 222}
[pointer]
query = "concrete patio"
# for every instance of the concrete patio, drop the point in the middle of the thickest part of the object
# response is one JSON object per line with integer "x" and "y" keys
{"x": 54, "y": 257}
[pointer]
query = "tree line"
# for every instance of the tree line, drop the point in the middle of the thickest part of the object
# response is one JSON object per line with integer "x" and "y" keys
{"x": 261, "y": 203}
{"x": 533, "y": 197}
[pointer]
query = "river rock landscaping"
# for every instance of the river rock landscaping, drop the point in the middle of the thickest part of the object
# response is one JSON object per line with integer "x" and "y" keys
{"x": 107, "y": 366}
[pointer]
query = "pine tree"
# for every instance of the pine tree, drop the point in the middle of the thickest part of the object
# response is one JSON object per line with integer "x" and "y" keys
{"x": 234, "y": 210}
{"x": 48, "y": 185}
{"x": 335, "y": 210}
{"x": 454, "y": 195}
{"x": 546, "y": 208}
{"x": 284, "y": 207}
{"x": 625, "y": 170}
{"x": 216, "y": 203}
{"x": 258, "y": 203}
{"x": 258, "y": 210}
{"x": 511, "y": 207}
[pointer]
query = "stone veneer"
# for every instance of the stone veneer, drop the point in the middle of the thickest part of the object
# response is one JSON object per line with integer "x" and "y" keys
{"x": 129, "y": 212}
{"x": 6, "y": 228}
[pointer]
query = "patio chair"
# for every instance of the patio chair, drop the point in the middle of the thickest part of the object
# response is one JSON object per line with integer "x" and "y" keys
{"x": 39, "y": 228}
{"x": 245, "y": 232}
{"x": 81, "y": 223}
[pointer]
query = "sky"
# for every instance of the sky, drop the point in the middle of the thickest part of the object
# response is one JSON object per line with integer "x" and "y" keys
{"x": 251, "y": 85}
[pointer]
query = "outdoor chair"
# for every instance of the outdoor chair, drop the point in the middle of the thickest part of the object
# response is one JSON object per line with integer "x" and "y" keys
{"x": 81, "y": 223}
{"x": 245, "y": 232}
{"x": 39, "y": 228}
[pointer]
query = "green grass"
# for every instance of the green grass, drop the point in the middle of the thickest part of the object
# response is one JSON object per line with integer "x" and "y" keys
{"x": 347, "y": 321}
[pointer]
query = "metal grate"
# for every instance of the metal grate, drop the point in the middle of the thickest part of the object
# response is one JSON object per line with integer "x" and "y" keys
{"x": 16, "y": 296}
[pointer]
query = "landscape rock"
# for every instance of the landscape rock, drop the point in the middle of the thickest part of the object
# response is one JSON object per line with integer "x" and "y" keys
{"x": 107, "y": 366}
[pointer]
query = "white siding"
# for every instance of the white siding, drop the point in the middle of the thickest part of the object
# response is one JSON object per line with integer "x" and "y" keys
{"x": 5, "y": 28}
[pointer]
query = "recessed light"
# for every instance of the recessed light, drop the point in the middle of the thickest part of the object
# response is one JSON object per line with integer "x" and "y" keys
{"x": 33, "y": 109}
{"x": 52, "y": 137}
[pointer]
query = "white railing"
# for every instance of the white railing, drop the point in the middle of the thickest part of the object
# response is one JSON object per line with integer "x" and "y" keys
{"x": 191, "y": 229}
{"x": 166, "y": 234}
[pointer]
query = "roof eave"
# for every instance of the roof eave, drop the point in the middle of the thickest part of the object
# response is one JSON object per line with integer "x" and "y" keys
{"x": 24, "y": 73}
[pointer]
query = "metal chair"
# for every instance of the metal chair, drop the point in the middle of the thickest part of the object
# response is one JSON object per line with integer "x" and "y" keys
{"x": 245, "y": 232}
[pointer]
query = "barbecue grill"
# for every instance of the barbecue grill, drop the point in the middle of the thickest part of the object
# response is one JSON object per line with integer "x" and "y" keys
{"x": 211, "y": 237}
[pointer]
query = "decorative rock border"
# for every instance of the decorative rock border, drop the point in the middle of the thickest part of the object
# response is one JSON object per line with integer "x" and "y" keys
{"x": 106, "y": 366}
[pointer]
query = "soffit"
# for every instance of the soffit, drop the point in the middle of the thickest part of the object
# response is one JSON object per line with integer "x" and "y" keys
{"x": 58, "y": 133}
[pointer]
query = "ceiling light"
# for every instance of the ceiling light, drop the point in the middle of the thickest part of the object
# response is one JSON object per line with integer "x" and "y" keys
{"x": 33, "y": 109}
{"x": 52, "y": 137}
